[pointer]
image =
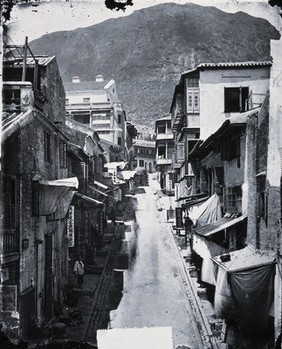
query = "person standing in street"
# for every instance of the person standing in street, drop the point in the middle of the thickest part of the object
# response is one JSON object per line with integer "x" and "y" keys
{"x": 79, "y": 271}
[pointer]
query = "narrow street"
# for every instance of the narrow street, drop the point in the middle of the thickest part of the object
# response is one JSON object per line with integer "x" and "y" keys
{"x": 154, "y": 292}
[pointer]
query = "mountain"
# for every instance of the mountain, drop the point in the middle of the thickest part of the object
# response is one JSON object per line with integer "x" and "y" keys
{"x": 147, "y": 51}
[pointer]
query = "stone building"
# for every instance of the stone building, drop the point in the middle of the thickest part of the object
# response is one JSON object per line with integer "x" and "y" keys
{"x": 37, "y": 193}
{"x": 97, "y": 105}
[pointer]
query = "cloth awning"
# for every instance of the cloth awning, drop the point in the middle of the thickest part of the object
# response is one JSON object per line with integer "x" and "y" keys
{"x": 115, "y": 165}
{"x": 89, "y": 200}
{"x": 207, "y": 249}
{"x": 65, "y": 182}
{"x": 207, "y": 212}
{"x": 245, "y": 286}
{"x": 221, "y": 224}
{"x": 100, "y": 192}
{"x": 54, "y": 195}
{"x": 127, "y": 175}
{"x": 101, "y": 185}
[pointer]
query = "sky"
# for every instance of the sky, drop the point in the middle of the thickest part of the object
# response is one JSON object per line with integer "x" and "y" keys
{"x": 37, "y": 18}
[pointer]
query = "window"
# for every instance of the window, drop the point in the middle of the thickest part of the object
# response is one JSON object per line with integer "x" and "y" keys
{"x": 119, "y": 140}
{"x": 67, "y": 101}
{"x": 192, "y": 100}
{"x": 161, "y": 129}
{"x": 12, "y": 96}
{"x": 193, "y": 82}
{"x": 101, "y": 116}
{"x": 236, "y": 99}
{"x": 119, "y": 119}
{"x": 47, "y": 146}
{"x": 141, "y": 163}
{"x": 63, "y": 154}
{"x": 83, "y": 118}
{"x": 233, "y": 199}
{"x": 86, "y": 100}
{"x": 162, "y": 152}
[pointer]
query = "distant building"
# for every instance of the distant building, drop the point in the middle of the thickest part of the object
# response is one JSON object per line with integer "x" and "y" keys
{"x": 144, "y": 152}
{"x": 96, "y": 105}
{"x": 164, "y": 152}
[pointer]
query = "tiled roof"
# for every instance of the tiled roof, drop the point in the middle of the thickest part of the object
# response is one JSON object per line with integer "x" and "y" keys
{"x": 248, "y": 64}
{"x": 236, "y": 64}
{"x": 42, "y": 60}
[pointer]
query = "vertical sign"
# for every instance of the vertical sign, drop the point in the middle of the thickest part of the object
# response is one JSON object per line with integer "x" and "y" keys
{"x": 101, "y": 222}
{"x": 178, "y": 217}
{"x": 70, "y": 226}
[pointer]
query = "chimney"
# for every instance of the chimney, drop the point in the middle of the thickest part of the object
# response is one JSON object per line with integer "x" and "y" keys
{"x": 75, "y": 79}
{"x": 99, "y": 78}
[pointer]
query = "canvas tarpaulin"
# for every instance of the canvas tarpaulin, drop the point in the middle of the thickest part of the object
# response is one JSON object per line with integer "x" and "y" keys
{"x": 207, "y": 249}
{"x": 244, "y": 289}
{"x": 206, "y": 213}
{"x": 253, "y": 291}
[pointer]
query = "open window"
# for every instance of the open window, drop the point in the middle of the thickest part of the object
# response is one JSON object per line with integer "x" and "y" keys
{"x": 236, "y": 99}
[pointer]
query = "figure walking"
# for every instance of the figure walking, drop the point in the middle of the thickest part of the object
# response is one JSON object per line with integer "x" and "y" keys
{"x": 79, "y": 271}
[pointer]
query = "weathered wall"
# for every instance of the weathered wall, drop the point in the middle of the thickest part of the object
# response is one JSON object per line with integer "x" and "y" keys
{"x": 212, "y": 84}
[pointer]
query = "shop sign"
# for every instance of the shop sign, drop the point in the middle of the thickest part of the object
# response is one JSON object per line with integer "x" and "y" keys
{"x": 101, "y": 222}
{"x": 178, "y": 217}
{"x": 70, "y": 226}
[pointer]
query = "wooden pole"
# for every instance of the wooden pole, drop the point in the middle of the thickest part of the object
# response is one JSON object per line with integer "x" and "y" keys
{"x": 24, "y": 59}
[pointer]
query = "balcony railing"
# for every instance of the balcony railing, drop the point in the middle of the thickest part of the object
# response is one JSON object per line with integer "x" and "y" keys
{"x": 164, "y": 136}
{"x": 163, "y": 161}
{"x": 18, "y": 96}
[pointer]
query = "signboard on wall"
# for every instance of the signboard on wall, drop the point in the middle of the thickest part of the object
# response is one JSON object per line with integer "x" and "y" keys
{"x": 178, "y": 217}
{"x": 100, "y": 219}
{"x": 70, "y": 226}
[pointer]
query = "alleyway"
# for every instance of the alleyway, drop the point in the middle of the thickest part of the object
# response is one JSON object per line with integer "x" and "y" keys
{"x": 154, "y": 294}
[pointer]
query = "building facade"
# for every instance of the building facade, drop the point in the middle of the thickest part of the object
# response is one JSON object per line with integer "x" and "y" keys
{"x": 37, "y": 194}
{"x": 144, "y": 155}
{"x": 96, "y": 105}
{"x": 164, "y": 153}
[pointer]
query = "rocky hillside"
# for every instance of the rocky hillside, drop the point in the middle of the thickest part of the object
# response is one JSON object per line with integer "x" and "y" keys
{"x": 147, "y": 51}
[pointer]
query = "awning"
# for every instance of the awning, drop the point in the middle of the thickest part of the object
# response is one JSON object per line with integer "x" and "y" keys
{"x": 207, "y": 249}
{"x": 249, "y": 258}
{"x": 89, "y": 200}
{"x": 207, "y": 212}
{"x": 221, "y": 224}
{"x": 245, "y": 286}
{"x": 65, "y": 182}
{"x": 53, "y": 195}
{"x": 101, "y": 185}
{"x": 115, "y": 165}
{"x": 100, "y": 192}
{"x": 118, "y": 181}
{"x": 128, "y": 174}
{"x": 63, "y": 205}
